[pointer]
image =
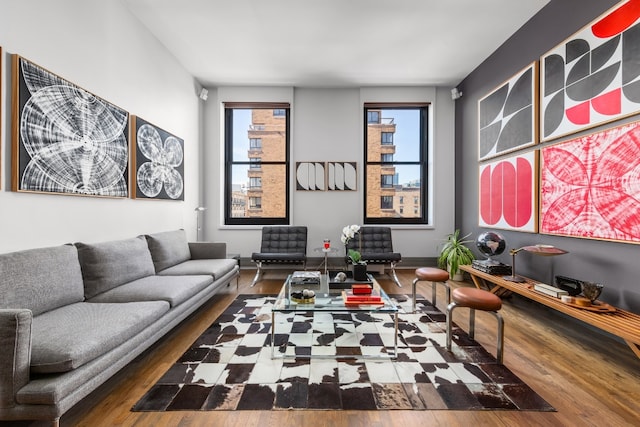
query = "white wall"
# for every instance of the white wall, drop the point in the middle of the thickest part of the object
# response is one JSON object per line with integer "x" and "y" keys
{"x": 326, "y": 125}
{"x": 102, "y": 48}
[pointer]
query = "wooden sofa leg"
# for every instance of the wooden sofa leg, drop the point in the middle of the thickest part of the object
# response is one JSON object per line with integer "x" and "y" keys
{"x": 256, "y": 278}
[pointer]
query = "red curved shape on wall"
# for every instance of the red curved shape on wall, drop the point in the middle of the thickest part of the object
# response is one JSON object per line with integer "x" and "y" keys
{"x": 497, "y": 195}
{"x": 509, "y": 193}
{"x": 618, "y": 20}
{"x": 485, "y": 195}
{"x": 517, "y": 193}
{"x": 525, "y": 192}
{"x": 608, "y": 104}
{"x": 579, "y": 114}
{"x": 506, "y": 193}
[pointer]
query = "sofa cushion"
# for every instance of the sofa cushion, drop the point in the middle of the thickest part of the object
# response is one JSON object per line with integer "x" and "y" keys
{"x": 214, "y": 267}
{"x": 70, "y": 336}
{"x": 168, "y": 248}
{"x": 173, "y": 289}
{"x": 107, "y": 265}
{"x": 40, "y": 279}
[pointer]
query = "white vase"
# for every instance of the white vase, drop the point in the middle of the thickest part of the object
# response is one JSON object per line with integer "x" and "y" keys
{"x": 458, "y": 276}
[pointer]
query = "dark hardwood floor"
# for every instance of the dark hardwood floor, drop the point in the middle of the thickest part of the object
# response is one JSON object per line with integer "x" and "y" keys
{"x": 591, "y": 378}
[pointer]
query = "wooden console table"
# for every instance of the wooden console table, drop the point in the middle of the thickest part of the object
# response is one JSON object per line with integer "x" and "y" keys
{"x": 621, "y": 323}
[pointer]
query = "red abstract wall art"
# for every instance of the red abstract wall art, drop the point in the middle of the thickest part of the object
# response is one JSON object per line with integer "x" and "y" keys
{"x": 593, "y": 77}
{"x": 508, "y": 193}
{"x": 590, "y": 186}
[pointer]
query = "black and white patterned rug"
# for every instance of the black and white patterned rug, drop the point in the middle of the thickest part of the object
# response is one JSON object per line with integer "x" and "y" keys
{"x": 230, "y": 367}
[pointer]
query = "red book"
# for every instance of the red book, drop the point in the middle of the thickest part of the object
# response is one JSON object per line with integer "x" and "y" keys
{"x": 354, "y": 303}
{"x": 349, "y": 296}
{"x": 361, "y": 288}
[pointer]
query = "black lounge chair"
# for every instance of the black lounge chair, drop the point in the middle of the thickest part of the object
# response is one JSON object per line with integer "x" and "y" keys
{"x": 376, "y": 247}
{"x": 285, "y": 244}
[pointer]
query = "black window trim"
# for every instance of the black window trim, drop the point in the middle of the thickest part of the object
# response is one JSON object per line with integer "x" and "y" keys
{"x": 229, "y": 162}
{"x": 423, "y": 162}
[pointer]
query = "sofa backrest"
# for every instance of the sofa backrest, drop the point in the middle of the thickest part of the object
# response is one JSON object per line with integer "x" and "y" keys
{"x": 41, "y": 279}
{"x": 168, "y": 248}
{"x": 108, "y": 265}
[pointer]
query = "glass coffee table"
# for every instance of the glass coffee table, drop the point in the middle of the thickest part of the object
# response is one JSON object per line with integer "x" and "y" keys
{"x": 331, "y": 301}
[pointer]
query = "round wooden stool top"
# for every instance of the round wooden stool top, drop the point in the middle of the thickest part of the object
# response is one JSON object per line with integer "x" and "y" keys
{"x": 476, "y": 298}
{"x": 432, "y": 274}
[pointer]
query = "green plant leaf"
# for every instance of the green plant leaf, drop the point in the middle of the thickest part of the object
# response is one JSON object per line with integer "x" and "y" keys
{"x": 454, "y": 253}
{"x": 355, "y": 256}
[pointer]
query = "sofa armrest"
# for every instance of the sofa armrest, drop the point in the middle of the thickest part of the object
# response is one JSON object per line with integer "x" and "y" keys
{"x": 208, "y": 250}
{"x": 15, "y": 357}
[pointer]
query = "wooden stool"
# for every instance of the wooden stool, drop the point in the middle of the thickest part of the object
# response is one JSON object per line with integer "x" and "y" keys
{"x": 476, "y": 299}
{"x": 433, "y": 275}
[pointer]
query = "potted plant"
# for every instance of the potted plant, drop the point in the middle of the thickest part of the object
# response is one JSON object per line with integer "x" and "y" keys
{"x": 454, "y": 253}
{"x": 359, "y": 267}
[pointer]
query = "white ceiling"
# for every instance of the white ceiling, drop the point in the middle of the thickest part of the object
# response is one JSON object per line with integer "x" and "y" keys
{"x": 332, "y": 43}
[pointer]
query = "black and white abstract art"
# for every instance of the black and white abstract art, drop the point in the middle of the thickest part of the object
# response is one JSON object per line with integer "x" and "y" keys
{"x": 342, "y": 176}
{"x": 310, "y": 176}
{"x": 507, "y": 116}
{"x": 65, "y": 139}
{"x": 159, "y": 162}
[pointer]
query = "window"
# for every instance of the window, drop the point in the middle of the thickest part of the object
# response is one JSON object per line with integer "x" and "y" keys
{"x": 386, "y": 202}
{"x": 255, "y": 202}
{"x": 386, "y": 181}
{"x": 396, "y": 148}
{"x": 255, "y": 182}
{"x": 256, "y": 163}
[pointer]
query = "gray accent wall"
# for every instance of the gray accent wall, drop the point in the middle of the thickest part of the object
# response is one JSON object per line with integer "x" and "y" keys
{"x": 616, "y": 265}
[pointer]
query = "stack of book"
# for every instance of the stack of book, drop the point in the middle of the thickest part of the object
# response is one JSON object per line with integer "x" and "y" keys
{"x": 305, "y": 278}
{"x": 362, "y": 294}
{"x": 549, "y": 290}
{"x": 490, "y": 267}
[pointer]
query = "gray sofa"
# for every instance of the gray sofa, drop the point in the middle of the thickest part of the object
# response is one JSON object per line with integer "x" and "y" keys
{"x": 72, "y": 316}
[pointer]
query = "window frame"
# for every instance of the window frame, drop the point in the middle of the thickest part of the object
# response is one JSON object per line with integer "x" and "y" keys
{"x": 422, "y": 162}
{"x": 254, "y": 165}
{"x": 386, "y": 181}
{"x": 386, "y": 202}
{"x": 255, "y": 143}
{"x": 369, "y": 117}
{"x": 386, "y": 158}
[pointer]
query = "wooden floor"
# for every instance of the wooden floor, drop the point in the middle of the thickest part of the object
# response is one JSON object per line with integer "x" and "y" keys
{"x": 590, "y": 378}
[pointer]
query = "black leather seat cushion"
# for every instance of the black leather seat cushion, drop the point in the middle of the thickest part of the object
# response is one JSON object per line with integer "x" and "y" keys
{"x": 381, "y": 257}
{"x": 279, "y": 257}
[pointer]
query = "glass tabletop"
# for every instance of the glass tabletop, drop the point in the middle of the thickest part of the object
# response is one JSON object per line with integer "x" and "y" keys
{"x": 329, "y": 300}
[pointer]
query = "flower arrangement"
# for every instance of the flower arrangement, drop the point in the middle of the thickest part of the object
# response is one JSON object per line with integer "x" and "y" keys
{"x": 349, "y": 232}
